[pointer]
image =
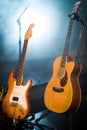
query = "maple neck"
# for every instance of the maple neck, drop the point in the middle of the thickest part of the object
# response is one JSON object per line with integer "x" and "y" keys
{"x": 67, "y": 41}
{"x": 21, "y": 63}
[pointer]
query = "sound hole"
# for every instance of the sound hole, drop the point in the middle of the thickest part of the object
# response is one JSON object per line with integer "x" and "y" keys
{"x": 61, "y": 72}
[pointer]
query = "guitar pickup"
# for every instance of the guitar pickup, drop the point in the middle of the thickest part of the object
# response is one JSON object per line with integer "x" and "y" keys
{"x": 58, "y": 89}
{"x": 14, "y": 104}
{"x": 15, "y": 98}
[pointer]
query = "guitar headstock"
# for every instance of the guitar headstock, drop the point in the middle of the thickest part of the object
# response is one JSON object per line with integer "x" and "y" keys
{"x": 29, "y": 31}
{"x": 77, "y": 7}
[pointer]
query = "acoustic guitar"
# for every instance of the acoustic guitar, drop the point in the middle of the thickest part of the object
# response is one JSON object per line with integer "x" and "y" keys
{"x": 16, "y": 101}
{"x": 62, "y": 93}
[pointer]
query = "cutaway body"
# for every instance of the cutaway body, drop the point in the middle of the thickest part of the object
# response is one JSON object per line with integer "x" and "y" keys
{"x": 63, "y": 95}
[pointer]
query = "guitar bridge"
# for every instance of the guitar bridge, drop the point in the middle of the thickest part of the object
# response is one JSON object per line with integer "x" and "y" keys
{"x": 58, "y": 89}
{"x": 21, "y": 111}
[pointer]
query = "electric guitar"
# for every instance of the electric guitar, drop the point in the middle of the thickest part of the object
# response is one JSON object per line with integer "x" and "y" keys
{"x": 63, "y": 93}
{"x": 16, "y": 101}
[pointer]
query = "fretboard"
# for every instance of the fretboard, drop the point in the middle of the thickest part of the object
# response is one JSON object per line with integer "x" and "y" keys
{"x": 67, "y": 41}
{"x": 21, "y": 63}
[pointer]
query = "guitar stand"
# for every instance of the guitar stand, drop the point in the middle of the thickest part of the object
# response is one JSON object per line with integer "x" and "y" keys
{"x": 30, "y": 122}
{"x": 41, "y": 117}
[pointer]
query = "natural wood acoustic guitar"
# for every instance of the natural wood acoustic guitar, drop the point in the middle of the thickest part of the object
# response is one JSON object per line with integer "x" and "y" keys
{"x": 63, "y": 93}
{"x": 16, "y": 103}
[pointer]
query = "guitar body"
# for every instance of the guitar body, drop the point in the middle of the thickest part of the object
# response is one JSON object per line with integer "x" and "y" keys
{"x": 63, "y": 95}
{"x": 16, "y": 102}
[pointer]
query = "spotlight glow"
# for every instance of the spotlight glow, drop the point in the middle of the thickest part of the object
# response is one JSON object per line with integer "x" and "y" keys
{"x": 41, "y": 20}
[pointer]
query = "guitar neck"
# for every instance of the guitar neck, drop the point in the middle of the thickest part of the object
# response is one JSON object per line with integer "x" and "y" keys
{"x": 76, "y": 8}
{"x": 62, "y": 64}
{"x": 22, "y": 57}
{"x": 21, "y": 63}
